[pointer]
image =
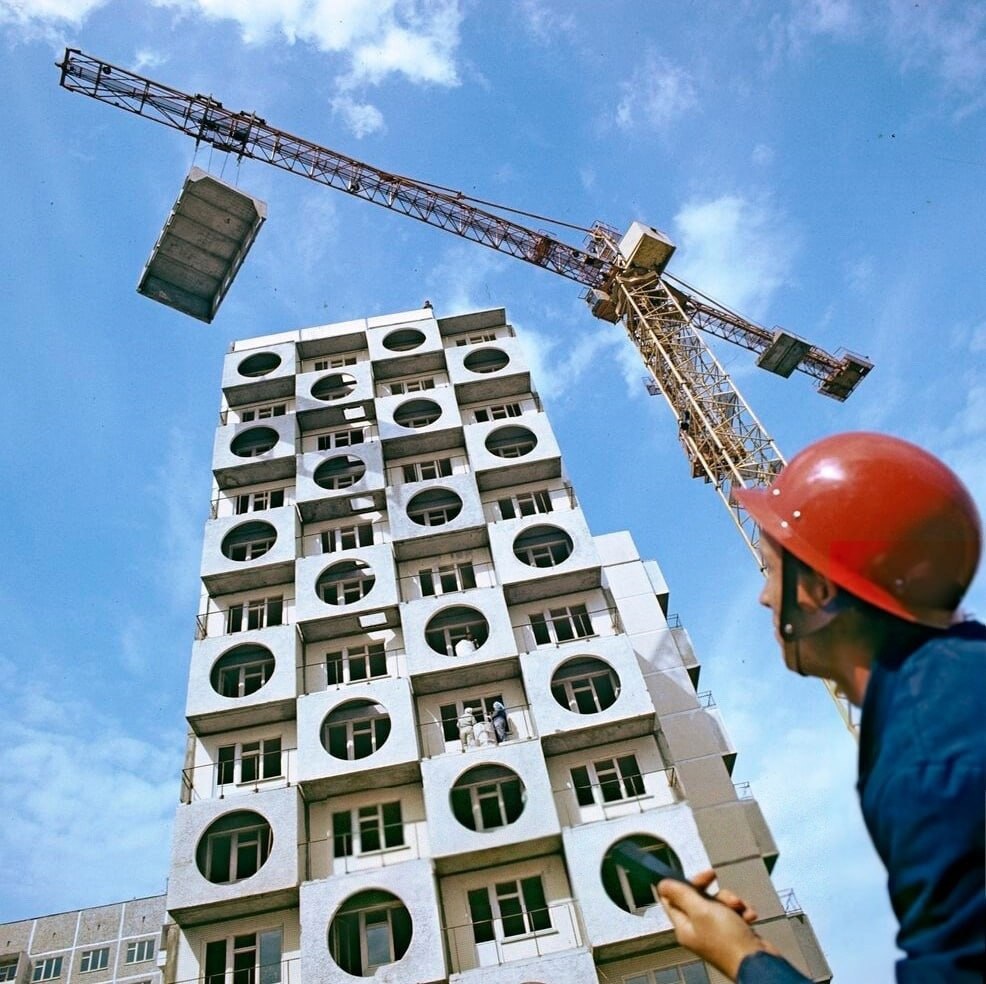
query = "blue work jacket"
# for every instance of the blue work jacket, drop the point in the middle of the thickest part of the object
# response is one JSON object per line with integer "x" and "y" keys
{"x": 922, "y": 789}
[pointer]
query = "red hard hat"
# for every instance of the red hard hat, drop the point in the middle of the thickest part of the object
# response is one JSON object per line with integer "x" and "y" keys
{"x": 880, "y": 517}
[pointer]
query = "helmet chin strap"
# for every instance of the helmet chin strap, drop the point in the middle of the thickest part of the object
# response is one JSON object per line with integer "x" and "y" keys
{"x": 796, "y": 623}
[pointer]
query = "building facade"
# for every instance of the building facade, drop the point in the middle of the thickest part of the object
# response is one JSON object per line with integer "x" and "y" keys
{"x": 425, "y": 703}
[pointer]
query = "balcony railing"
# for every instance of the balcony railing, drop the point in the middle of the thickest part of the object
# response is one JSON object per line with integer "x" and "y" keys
{"x": 216, "y": 621}
{"x": 564, "y": 933}
{"x": 789, "y": 901}
{"x": 315, "y": 673}
{"x": 311, "y": 542}
{"x": 446, "y": 582}
{"x": 459, "y": 464}
{"x": 434, "y": 742}
{"x": 562, "y": 500}
{"x": 290, "y": 974}
{"x": 323, "y": 861}
{"x": 661, "y": 788}
{"x": 308, "y": 443}
{"x": 566, "y": 629}
{"x": 200, "y": 782}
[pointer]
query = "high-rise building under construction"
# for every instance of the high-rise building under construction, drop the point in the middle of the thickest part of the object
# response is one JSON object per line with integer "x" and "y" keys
{"x": 425, "y": 703}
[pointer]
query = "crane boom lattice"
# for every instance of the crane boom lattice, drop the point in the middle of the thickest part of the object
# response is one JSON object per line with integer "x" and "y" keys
{"x": 722, "y": 438}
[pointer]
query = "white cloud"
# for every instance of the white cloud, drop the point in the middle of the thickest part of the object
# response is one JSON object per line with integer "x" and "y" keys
{"x": 146, "y": 59}
{"x": 99, "y": 801}
{"x": 362, "y": 119}
{"x": 656, "y": 94}
{"x": 54, "y": 13}
{"x": 735, "y": 250}
{"x": 545, "y": 24}
{"x": 948, "y": 39}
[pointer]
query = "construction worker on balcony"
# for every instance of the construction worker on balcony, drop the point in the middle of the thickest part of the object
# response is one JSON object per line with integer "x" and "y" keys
{"x": 869, "y": 544}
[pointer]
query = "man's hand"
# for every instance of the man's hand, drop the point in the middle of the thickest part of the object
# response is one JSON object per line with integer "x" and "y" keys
{"x": 716, "y": 930}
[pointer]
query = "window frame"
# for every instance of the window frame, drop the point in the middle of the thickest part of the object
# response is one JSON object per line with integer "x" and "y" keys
{"x": 249, "y": 845}
{"x": 445, "y": 579}
{"x": 426, "y": 470}
{"x": 527, "y": 891}
{"x": 269, "y": 755}
{"x": 621, "y": 772}
{"x": 545, "y": 624}
{"x": 234, "y": 949}
{"x": 346, "y": 659}
{"x": 581, "y": 687}
{"x": 47, "y": 969}
{"x": 261, "y": 411}
{"x": 357, "y": 827}
{"x": 368, "y": 731}
{"x": 137, "y": 947}
{"x": 96, "y": 959}
{"x": 487, "y": 797}
{"x": 352, "y": 536}
{"x": 258, "y": 500}
{"x": 255, "y": 613}
{"x": 346, "y": 438}
{"x": 497, "y": 411}
{"x": 8, "y": 968}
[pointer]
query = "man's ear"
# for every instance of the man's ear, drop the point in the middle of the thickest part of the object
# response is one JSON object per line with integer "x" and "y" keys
{"x": 816, "y": 592}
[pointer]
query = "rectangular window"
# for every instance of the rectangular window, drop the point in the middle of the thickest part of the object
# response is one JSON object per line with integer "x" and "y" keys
{"x": 525, "y": 504}
{"x": 257, "y": 613}
{"x": 447, "y": 578}
{"x": 561, "y": 625}
{"x": 367, "y": 829}
{"x": 8, "y": 969}
{"x": 346, "y": 537}
{"x": 499, "y": 411}
{"x": 689, "y": 973}
{"x": 336, "y": 362}
{"x": 477, "y": 339}
{"x": 47, "y": 969}
{"x": 607, "y": 780}
{"x": 263, "y": 412}
{"x": 422, "y": 471}
{"x": 418, "y": 385}
{"x": 256, "y": 501}
{"x": 363, "y": 662}
{"x": 516, "y": 908}
{"x": 341, "y": 439}
{"x": 250, "y": 761}
{"x": 94, "y": 960}
{"x": 247, "y": 958}
{"x": 140, "y": 950}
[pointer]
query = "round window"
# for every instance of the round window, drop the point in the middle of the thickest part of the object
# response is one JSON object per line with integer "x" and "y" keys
{"x": 486, "y": 796}
{"x": 457, "y": 631}
{"x": 632, "y": 890}
{"x": 339, "y": 473}
{"x": 259, "y": 364}
{"x": 404, "y": 340}
{"x": 511, "y": 442}
{"x": 434, "y": 507}
{"x": 235, "y": 846}
{"x": 253, "y": 442}
{"x": 334, "y": 387}
{"x": 242, "y": 670}
{"x": 486, "y": 360}
{"x": 543, "y": 546}
{"x": 585, "y": 684}
{"x": 417, "y": 413}
{"x": 248, "y": 541}
{"x": 370, "y": 929}
{"x": 355, "y": 729}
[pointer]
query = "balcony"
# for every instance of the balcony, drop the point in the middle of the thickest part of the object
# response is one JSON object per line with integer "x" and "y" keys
{"x": 342, "y": 593}
{"x": 222, "y": 780}
{"x": 411, "y": 888}
{"x": 254, "y": 452}
{"x": 381, "y": 828}
{"x": 658, "y": 789}
{"x": 340, "y": 483}
{"x": 361, "y": 734}
{"x": 513, "y": 452}
{"x": 480, "y": 788}
{"x": 434, "y": 517}
{"x": 587, "y": 692}
{"x": 546, "y": 555}
{"x": 557, "y": 950}
{"x": 489, "y": 371}
{"x": 243, "y": 553}
{"x": 253, "y": 375}
{"x": 210, "y": 855}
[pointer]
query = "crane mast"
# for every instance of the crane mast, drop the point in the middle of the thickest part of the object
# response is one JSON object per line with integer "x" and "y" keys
{"x": 724, "y": 442}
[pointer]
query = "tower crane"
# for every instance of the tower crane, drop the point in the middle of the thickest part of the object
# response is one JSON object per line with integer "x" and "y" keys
{"x": 623, "y": 276}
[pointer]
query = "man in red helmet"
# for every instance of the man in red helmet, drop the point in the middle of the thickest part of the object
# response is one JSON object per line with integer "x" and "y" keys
{"x": 869, "y": 544}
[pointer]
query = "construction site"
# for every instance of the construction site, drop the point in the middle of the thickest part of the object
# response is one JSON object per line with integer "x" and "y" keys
{"x": 436, "y": 689}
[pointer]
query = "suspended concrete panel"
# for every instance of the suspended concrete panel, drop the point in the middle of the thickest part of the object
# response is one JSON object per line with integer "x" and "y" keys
{"x": 205, "y": 240}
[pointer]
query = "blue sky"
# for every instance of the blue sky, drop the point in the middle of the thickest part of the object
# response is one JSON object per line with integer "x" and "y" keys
{"x": 820, "y": 165}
